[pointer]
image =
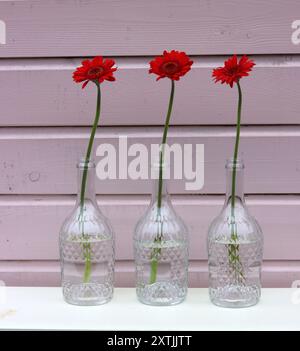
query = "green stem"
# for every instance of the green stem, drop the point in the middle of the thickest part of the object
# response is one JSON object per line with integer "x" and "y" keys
{"x": 87, "y": 246}
{"x": 236, "y": 148}
{"x": 153, "y": 274}
{"x": 233, "y": 249}
{"x": 88, "y": 262}
{"x": 90, "y": 145}
{"x": 156, "y": 251}
{"x": 163, "y": 142}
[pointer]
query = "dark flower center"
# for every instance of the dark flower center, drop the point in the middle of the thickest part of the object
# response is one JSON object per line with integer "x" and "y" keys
{"x": 170, "y": 67}
{"x": 233, "y": 70}
{"x": 95, "y": 71}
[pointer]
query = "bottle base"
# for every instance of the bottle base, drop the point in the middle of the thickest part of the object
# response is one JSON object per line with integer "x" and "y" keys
{"x": 87, "y": 294}
{"x": 234, "y": 296}
{"x": 161, "y": 294}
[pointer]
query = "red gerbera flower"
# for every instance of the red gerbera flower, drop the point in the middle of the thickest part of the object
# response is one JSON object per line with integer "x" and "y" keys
{"x": 233, "y": 70}
{"x": 96, "y": 70}
{"x": 173, "y": 65}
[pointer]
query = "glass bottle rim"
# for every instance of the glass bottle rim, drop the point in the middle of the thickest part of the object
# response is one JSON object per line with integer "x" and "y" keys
{"x": 85, "y": 164}
{"x": 238, "y": 164}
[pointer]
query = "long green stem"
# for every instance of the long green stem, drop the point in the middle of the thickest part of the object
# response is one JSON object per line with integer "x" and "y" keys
{"x": 87, "y": 246}
{"x": 163, "y": 142}
{"x": 156, "y": 252}
{"x": 236, "y": 147}
{"x": 90, "y": 145}
{"x": 233, "y": 249}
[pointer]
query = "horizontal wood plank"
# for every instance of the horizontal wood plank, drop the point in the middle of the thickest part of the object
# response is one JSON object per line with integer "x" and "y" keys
{"x": 142, "y": 27}
{"x": 43, "y": 160}
{"x": 41, "y": 93}
{"x": 279, "y": 274}
{"x": 30, "y": 225}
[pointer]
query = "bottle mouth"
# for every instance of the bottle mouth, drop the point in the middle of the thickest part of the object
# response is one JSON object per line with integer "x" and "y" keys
{"x": 238, "y": 164}
{"x": 85, "y": 164}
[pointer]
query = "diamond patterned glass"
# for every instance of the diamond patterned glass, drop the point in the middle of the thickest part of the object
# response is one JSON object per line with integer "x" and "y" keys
{"x": 161, "y": 254}
{"x": 235, "y": 250}
{"x": 87, "y": 250}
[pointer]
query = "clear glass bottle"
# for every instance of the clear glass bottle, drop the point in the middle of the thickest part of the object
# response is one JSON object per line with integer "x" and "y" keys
{"x": 161, "y": 253}
{"x": 235, "y": 249}
{"x": 87, "y": 248}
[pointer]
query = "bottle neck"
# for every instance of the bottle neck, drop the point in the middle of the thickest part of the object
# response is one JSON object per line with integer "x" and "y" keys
{"x": 157, "y": 185}
{"x": 164, "y": 191}
{"x": 86, "y": 183}
{"x": 234, "y": 182}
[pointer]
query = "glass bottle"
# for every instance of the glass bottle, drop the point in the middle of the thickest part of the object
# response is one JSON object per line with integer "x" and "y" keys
{"x": 235, "y": 249}
{"x": 161, "y": 252}
{"x": 87, "y": 248}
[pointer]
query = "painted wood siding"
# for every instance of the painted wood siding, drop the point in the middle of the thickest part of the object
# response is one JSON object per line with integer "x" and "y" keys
{"x": 44, "y": 120}
{"x": 141, "y": 27}
{"x": 47, "y": 98}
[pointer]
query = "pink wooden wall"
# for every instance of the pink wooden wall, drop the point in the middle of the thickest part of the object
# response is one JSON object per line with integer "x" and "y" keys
{"x": 44, "y": 121}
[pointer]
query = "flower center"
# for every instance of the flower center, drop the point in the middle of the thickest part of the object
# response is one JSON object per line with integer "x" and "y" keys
{"x": 95, "y": 71}
{"x": 170, "y": 67}
{"x": 233, "y": 70}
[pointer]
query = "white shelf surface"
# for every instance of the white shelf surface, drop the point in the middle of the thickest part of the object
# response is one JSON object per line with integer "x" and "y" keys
{"x": 44, "y": 309}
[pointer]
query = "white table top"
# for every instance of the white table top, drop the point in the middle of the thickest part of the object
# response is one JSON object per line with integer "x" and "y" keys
{"x": 44, "y": 309}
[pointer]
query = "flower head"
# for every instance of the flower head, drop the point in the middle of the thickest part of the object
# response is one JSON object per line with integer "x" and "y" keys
{"x": 96, "y": 70}
{"x": 233, "y": 70}
{"x": 173, "y": 65}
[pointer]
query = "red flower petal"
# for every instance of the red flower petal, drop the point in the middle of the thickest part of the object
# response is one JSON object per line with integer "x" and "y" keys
{"x": 173, "y": 65}
{"x": 233, "y": 70}
{"x": 85, "y": 84}
{"x": 96, "y": 70}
